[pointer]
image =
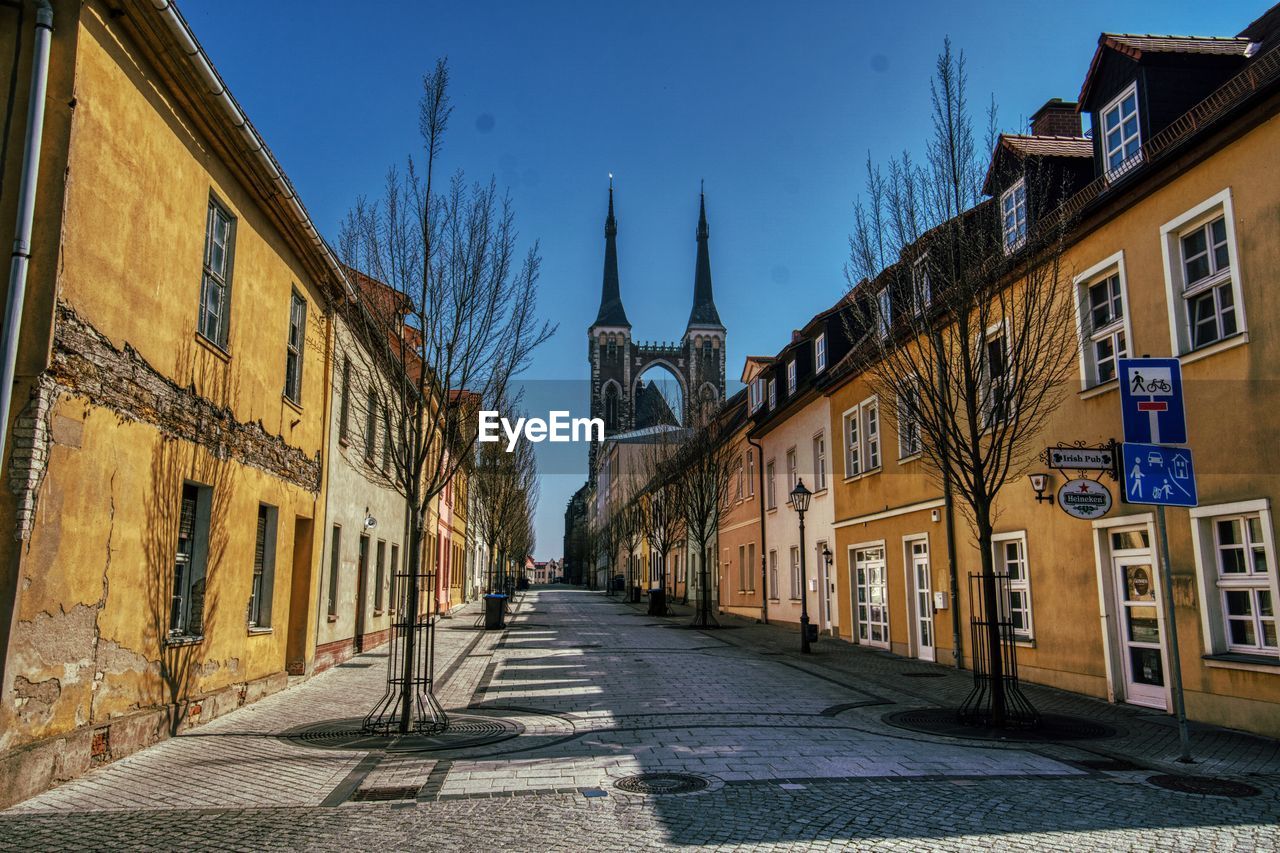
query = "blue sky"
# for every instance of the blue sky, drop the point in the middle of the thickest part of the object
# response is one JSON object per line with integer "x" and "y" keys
{"x": 775, "y": 105}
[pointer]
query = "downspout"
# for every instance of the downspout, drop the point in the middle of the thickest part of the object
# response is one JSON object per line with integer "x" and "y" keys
{"x": 764, "y": 546}
{"x": 20, "y": 260}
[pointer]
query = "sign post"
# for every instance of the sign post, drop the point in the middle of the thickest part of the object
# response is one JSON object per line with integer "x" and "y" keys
{"x": 1153, "y": 473}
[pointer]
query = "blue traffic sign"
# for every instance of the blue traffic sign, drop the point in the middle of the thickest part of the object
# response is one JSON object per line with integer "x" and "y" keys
{"x": 1158, "y": 475}
{"x": 1151, "y": 400}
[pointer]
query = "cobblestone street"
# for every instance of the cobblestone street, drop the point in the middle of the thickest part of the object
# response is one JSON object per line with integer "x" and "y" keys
{"x": 794, "y": 754}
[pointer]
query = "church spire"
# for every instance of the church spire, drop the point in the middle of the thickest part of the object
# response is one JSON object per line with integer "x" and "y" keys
{"x": 611, "y": 311}
{"x": 704, "y": 311}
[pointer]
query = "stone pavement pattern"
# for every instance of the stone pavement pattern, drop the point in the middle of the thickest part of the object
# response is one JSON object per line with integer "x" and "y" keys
{"x": 793, "y": 750}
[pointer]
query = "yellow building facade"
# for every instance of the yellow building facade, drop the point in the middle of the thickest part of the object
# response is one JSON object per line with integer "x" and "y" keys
{"x": 1092, "y": 618}
{"x": 166, "y": 482}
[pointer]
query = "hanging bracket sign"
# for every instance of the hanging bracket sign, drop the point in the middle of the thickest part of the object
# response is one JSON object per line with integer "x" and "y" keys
{"x": 1084, "y": 499}
{"x": 1081, "y": 458}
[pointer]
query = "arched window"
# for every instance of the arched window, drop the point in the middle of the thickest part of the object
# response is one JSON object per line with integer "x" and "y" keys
{"x": 611, "y": 408}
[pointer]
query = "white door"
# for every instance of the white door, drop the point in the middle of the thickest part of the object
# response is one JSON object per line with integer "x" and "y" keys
{"x": 1141, "y": 634}
{"x": 871, "y": 596}
{"x": 922, "y": 582}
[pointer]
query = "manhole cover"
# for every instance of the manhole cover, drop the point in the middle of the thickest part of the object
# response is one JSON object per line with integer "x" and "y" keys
{"x": 661, "y": 783}
{"x": 1206, "y": 785}
{"x": 379, "y": 795}
{"x": 946, "y": 721}
{"x": 465, "y": 731}
{"x": 921, "y": 674}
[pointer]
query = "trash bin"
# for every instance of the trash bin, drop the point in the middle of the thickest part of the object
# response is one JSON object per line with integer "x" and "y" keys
{"x": 635, "y": 595}
{"x": 657, "y": 602}
{"x": 494, "y": 607}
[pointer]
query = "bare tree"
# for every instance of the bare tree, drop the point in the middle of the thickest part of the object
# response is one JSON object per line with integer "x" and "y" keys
{"x": 963, "y": 323}
{"x": 660, "y": 497}
{"x": 630, "y": 522}
{"x": 450, "y": 311}
{"x": 705, "y": 464}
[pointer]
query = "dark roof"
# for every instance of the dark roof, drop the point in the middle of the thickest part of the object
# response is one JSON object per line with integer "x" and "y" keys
{"x": 611, "y": 312}
{"x": 704, "y": 311}
{"x": 1266, "y": 24}
{"x": 1137, "y": 46}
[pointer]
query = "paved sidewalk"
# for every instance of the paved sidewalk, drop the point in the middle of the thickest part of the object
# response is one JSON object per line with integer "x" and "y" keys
{"x": 1146, "y": 737}
{"x": 791, "y": 753}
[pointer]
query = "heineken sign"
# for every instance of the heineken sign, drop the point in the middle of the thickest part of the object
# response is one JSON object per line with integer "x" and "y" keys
{"x": 1085, "y": 499}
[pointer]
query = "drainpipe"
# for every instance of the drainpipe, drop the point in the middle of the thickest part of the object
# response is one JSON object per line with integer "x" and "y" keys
{"x": 764, "y": 546}
{"x": 20, "y": 260}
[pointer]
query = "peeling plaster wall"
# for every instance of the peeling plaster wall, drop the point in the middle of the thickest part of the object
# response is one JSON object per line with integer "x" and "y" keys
{"x": 128, "y": 404}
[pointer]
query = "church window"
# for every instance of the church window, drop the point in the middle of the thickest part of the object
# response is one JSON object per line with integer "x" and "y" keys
{"x": 611, "y": 408}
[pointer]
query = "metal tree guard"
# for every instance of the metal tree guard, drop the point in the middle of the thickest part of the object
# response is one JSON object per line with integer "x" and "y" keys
{"x": 409, "y": 703}
{"x": 976, "y": 709}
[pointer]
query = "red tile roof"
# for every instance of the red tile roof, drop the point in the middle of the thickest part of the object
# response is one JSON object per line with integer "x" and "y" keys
{"x": 1048, "y": 146}
{"x": 1136, "y": 46}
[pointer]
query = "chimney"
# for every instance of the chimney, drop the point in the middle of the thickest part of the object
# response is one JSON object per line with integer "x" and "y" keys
{"x": 1056, "y": 118}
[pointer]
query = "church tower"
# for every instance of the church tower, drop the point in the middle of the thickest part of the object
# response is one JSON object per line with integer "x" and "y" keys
{"x": 609, "y": 344}
{"x": 697, "y": 362}
{"x": 704, "y": 336}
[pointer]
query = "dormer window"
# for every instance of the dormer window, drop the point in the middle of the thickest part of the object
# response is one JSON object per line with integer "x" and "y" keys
{"x": 773, "y": 393}
{"x": 1013, "y": 213}
{"x": 885, "y": 303}
{"x": 921, "y": 289}
{"x": 757, "y": 393}
{"x": 791, "y": 377}
{"x": 820, "y": 353}
{"x": 1121, "y": 136}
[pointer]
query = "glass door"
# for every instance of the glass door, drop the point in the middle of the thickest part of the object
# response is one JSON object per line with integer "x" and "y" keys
{"x": 1141, "y": 634}
{"x": 871, "y": 599}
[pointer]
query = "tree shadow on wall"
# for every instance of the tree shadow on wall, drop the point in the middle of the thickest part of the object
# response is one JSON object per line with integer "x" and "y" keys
{"x": 187, "y": 530}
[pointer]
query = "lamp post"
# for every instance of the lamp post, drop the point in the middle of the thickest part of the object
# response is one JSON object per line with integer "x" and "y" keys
{"x": 799, "y": 501}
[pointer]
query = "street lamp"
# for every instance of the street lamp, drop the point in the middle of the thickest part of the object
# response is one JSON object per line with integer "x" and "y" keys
{"x": 799, "y": 501}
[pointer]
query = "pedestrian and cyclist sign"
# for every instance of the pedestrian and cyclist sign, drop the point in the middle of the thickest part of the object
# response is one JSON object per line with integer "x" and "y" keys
{"x": 1151, "y": 400}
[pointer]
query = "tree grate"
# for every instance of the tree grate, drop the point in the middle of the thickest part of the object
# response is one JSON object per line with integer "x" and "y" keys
{"x": 464, "y": 731}
{"x": 1205, "y": 785}
{"x": 661, "y": 784}
{"x": 382, "y": 795}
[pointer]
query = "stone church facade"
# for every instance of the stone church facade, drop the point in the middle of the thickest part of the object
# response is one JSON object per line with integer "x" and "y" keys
{"x": 696, "y": 362}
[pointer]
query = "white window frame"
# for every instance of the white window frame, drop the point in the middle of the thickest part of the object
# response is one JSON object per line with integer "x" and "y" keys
{"x": 884, "y": 312}
{"x": 771, "y": 486}
{"x": 1171, "y": 234}
{"x": 998, "y": 541}
{"x": 988, "y": 418}
{"x": 908, "y": 451}
{"x": 796, "y": 583}
{"x": 863, "y": 446}
{"x": 757, "y": 393}
{"x": 1013, "y": 236}
{"x": 773, "y": 394}
{"x": 773, "y": 592}
{"x": 751, "y": 473}
{"x": 921, "y": 284}
{"x": 1204, "y": 544}
{"x": 1127, "y": 163}
{"x": 820, "y": 353}
{"x": 820, "y": 461}
{"x": 793, "y": 469}
{"x": 1104, "y": 269}
{"x": 791, "y": 377}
